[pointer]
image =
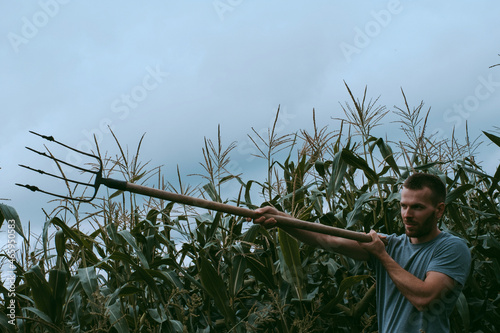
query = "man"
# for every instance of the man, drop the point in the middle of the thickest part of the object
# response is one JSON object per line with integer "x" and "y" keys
{"x": 419, "y": 274}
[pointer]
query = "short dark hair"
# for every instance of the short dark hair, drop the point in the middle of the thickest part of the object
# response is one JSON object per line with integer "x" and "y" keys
{"x": 418, "y": 181}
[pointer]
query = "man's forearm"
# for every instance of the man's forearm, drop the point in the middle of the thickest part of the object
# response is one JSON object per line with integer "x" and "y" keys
{"x": 420, "y": 293}
{"x": 331, "y": 243}
{"x": 307, "y": 237}
{"x": 339, "y": 245}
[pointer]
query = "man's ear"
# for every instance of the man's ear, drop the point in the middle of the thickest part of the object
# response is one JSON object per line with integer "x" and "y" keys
{"x": 440, "y": 209}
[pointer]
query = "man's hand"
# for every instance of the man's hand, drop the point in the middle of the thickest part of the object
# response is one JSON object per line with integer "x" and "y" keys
{"x": 263, "y": 220}
{"x": 376, "y": 247}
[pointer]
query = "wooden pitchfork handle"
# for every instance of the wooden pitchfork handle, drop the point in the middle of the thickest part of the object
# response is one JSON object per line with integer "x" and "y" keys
{"x": 282, "y": 221}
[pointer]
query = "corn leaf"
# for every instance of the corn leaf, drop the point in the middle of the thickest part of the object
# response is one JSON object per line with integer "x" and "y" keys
{"x": 127, "y": 236}
{"x": 458, "y": 192}
{"x": 344, "y": 286}
{"x": 9, "y": 213}
{"x": 292, "y": 265}
{"x": 495, "y": 139}
{"x": 216, "y": 288}
{"x": 388, "y": 155}
{"x": 357, "y": 212}
{"x": 237, "y": 273}
{"x": 145, "y": 275}
{"x": 261, "y": 271}
{"x": 39, "y": 313}
{"x": 158, "y": 314}
{"x": 350, "y": 158}
{"x": 463, "y": 310}
{"x": 248, "y": 199}
{"x": 88, "y": 279}
{"x": 42, "y": 293}
{"x": 57, "y": 282}
{"x": 212, "y": 192}
{"x": 339, "y": 168}
{"x": 177, "y": 326}
{"x": 5, "y": 326}
{"x": 116, "y": 317}
{"x": 72, "y": 233}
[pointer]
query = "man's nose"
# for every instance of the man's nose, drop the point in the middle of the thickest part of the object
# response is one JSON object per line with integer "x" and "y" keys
{"x": 406, "y": 212}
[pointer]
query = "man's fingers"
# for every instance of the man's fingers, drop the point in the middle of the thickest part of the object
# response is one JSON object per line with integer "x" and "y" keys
{"x": 376, "y": 237}
{"x": 267, "y": 222}
{"x": 263, "y": 220}
{"x": 267, "y": 210}
{"x": 373, "y": 234}
{"x": 260, "y": 220}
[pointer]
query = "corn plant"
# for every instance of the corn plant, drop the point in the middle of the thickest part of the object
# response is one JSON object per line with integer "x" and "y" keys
{"x": 145, "y": 265}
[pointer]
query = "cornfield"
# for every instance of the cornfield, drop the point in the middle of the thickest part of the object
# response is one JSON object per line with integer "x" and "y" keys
{"x": 155, "y": 266}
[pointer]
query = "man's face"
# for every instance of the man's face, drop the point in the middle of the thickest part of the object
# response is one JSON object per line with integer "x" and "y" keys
{"x": 419, "y": 214}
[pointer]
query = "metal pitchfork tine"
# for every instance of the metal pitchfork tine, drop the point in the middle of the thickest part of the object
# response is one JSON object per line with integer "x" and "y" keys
{"x": 98, "y": 173}
{"x": 282, "y": 221}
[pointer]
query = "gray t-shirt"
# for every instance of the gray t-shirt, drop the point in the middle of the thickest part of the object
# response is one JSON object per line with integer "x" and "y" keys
{"x": 446, "y": 254}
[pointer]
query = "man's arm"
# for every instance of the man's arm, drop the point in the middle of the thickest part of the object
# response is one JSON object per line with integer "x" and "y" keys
{"x": 339, "y": 245}
{"x": 420, "y": 293}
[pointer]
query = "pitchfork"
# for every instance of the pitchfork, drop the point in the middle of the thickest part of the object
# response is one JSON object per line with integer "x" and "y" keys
{"x": 282, "y": 221}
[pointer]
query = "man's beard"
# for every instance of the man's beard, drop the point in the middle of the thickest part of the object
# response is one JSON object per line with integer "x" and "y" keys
{"x": 424, "y": 229}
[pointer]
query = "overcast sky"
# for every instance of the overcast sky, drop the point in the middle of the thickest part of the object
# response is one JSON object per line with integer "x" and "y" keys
{"x": 175, "y": 70}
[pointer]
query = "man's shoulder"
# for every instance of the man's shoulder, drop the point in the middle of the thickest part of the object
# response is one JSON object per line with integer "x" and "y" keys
{"x": 397, "y": 243}
{"x": 395, "y": 238}
{"x": 452, "y": 257}
{"x": 444, "y": 237}
{"x": 445, "y": 240}
{"x": 448, "y": 239}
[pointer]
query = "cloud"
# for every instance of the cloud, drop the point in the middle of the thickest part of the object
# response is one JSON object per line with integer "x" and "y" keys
{"x": 72, "y": 78}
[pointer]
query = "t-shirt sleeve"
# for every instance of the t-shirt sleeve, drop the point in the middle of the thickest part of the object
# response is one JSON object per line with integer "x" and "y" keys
{"x": 452, "y": 258}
